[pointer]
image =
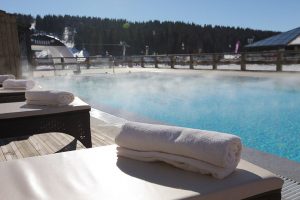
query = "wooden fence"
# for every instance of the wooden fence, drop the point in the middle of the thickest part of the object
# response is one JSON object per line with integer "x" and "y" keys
{"x": 190, "y": 61}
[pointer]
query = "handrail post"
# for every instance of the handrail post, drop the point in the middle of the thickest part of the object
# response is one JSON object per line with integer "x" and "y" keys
{"x": 214, "y": 64}
{"x": 124, "y": 61}
{"x": 155, "y": 62}
{"x": 172, "y": 62}
{"x": 142, "y": 62}
{"x": 54, "y": 68}
{"x": 88, "y": 64}
{"x": 33, "y": 63}
{"x": 78, "y": 70}
{"x": 110, "y": 62}
{"x": 191, "y": 62}
{"x": 130, "y": 62}
{"x": 243, "y": 62}
{"x": 113, "y": 64}
{"x": 279, "y": 61}
{"x": 62, "y": 61}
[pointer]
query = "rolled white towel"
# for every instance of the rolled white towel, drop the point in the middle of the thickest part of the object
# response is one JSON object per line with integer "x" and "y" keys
{"x": 48, "y": 97}
{"x": 182, "y": 162}
{"x": 22, "y": 84}
{"x": 217, "y": 149}
{"x": 6, "y": 76}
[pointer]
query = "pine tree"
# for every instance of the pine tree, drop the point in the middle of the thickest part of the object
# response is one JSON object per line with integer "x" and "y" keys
{"x": 95, "y": 34}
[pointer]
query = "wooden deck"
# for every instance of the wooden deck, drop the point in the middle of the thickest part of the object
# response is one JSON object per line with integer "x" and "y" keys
{"x": 49, "y": 143}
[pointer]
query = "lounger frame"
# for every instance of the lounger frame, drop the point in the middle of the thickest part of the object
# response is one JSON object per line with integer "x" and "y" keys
{"x": 12, "y": 97}
{"x": 74, "y": 123}
{"x": 271, "y": 195}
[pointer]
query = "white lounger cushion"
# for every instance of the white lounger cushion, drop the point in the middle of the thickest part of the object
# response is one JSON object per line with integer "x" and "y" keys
{"x": 48, "y": 97}
{"x": 18, "y": 84}
{"x": 21, "y": 109}
{"x": 5, "y": 77}
{"x": 98, "y": 173}
{"x": 2, "y": 90}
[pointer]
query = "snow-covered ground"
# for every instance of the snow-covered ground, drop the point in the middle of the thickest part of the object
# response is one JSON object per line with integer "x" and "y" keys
{"x": 253, "y": 67}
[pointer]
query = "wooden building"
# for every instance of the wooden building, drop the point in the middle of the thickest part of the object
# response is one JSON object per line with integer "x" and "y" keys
{"x": 289, "y": 40}
{"x": 9, "y": 45}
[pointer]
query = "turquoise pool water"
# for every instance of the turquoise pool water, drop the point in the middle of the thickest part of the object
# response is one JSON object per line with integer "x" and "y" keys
{"x": 264, "y": 112}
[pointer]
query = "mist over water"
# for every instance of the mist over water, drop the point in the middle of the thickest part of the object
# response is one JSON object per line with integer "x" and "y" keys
{"x": 264, "y": 112}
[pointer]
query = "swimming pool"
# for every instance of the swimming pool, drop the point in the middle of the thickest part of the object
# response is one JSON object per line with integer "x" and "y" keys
{"x": 264, "y": 112}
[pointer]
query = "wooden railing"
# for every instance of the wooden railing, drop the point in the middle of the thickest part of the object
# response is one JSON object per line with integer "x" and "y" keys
{"x": 173, "y": 61}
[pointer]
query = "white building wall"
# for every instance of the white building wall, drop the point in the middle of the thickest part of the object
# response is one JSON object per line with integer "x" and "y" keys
{"x": 295, "y": 41}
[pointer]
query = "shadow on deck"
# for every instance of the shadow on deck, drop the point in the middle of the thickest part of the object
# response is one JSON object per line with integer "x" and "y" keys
{"x": 49, "y": 143}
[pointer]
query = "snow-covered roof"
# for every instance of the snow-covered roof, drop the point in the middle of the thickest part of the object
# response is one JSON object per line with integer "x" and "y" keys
{"x": 45, "y": 40}
{"x": 282, "y": 39}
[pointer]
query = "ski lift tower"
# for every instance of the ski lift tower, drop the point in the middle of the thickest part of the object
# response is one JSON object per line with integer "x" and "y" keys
{"x": 124, "y": 46}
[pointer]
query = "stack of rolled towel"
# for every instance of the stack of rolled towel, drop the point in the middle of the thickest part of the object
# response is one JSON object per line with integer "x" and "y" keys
{"x": 206, "y": 152}
{"x": 20, "y": 84}
{"x": 5, "y": 77}
{"x": 48, "y": 97}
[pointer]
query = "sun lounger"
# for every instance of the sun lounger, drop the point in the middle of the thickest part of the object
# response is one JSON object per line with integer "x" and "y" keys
{"x": 98, "y": 173}
{"x": 19, "y": 119}
{"x": 4, "y": 77}
{"x": 11, "y": 95}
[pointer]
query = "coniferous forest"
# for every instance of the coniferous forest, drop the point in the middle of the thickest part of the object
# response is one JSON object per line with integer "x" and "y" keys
{"x": 101, "y": 35}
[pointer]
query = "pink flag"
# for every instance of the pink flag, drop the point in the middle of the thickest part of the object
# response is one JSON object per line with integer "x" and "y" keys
{"x": 237, "y": 46}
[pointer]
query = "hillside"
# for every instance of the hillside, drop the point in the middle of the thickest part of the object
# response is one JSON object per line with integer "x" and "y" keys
{"x": 98, "y": 35}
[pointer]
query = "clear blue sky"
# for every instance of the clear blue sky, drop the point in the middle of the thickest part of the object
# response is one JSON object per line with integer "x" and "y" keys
{"x": 278, "y": 15}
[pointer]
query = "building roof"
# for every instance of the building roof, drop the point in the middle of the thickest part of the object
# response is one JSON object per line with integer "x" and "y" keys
{"x": 45, "y": 40}
{"x": 282, "y": 39}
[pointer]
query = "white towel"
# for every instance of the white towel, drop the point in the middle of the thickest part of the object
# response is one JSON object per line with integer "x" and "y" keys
{"x": 6, "y": 76}
{"x": 20, "y": 84}
{"x": 182, "y": 162}
{"x": 217, "y": 149}
{"x": 48, "y": 97}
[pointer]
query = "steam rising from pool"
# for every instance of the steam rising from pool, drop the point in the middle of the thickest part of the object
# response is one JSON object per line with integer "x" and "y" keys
{"x": 264, "y": 112}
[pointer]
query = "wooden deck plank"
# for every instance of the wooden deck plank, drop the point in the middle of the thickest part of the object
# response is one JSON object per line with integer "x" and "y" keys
{"x": 39, "y": 146}
{"x": 67, "y": 142}
{"x": 100, "y": 136}
{"x": 26, "y": 148}
{"x": 65, "y": 137}
{"x": 51, "y": 143}
{"x": 99, "y": 132}
{"x": 43, "y": 145}
{"x": 8, "y": 152}
{"x": 70, "y": 139}
{"x": 2, "y": 157}
{"x": 57, "y": 141}
{"x": 101, "y": 139}
{"x": 107, "y": 132}
{"x": 16, "y": 149}
{"x": 97, "y": 142}
{"x": 60, "y": 137}
{"x": 79, "y": 147}
{"x": 101, "y": 142}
